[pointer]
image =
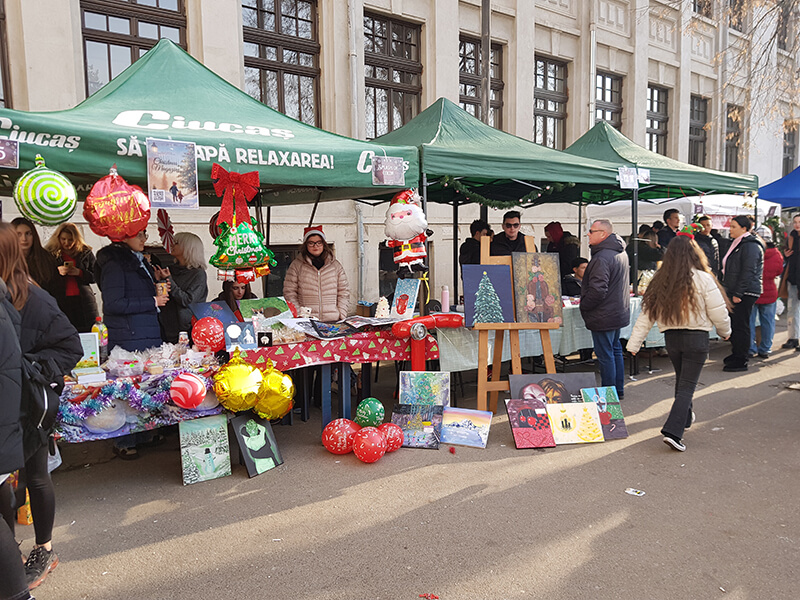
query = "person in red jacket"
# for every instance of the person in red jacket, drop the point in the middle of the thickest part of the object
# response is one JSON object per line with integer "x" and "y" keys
{"x": 767, "y": 303}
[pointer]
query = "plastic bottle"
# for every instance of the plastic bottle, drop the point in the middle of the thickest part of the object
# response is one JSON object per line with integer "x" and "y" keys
{"x": 102, "y": 337}
{"x": 183, "y": 342}
{"x": 445, "y": 299}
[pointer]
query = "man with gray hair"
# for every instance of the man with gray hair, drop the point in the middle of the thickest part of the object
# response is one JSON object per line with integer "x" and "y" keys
{"x": 605, "y": 301}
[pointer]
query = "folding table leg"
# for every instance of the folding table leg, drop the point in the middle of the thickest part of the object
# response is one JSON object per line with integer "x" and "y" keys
{"x": 325, "y": 385}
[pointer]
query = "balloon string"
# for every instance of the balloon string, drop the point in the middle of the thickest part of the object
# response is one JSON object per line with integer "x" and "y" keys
{"x": 424, "y": 279}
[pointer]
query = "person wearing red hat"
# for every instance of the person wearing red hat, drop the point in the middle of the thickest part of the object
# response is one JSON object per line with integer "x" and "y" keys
{"x": 316, "y": 280}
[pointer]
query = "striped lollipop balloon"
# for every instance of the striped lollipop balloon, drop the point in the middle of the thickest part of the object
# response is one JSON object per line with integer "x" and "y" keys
{"x": 45, "y": 196}
{"x": 187, "y": 390}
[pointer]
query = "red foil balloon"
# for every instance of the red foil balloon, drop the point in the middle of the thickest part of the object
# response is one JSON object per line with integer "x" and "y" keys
{"x": 115, "y": 209}
{"x": 208, "y": 334}
{"x": 369, "y": 444}
{"x": 393, "y": 435}
{"x": 337, "y": 437}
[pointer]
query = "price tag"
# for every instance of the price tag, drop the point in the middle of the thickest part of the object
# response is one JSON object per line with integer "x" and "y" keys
{"x": 9, "y": 154}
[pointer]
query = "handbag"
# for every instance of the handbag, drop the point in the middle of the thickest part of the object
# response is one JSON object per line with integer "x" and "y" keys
{"x": 783, "y": 287}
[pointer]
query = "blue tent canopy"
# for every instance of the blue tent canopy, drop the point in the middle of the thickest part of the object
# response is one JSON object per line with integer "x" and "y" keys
{"x": 785, "y": 191}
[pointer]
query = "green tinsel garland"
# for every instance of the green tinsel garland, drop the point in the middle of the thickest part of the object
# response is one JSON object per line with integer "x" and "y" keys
{"x": 472, "y": 196}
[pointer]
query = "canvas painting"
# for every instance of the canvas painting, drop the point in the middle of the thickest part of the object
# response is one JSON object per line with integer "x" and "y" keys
{"x": 405, "y": 298}
{"x": 537, "y": 287}
{"x": 269, "y": 307}
{"x": 205, "y": 453}
{"x": 421, "y": 425}
{"x": 530, "y": 424}
{"x": 610, "y": 410}
{"x": 91, "y": 351}
{"x": 466, "y": 427}
{"x": 172, "y": 174}
{"x": 257, "y": 443}
{"x": 218, "y": 309}
{"x": 551, "y": 387}
{"x": 424, "y": 387}
{"x": 240, "y": 335}
{"x": 575, "y": 423}
{"x": 487, "y": 294}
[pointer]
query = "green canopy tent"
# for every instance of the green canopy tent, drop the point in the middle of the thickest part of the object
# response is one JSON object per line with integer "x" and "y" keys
{"x": 168, "y": 94}
{"x": 668, "y": 178}
{"x": 463, "y": 160}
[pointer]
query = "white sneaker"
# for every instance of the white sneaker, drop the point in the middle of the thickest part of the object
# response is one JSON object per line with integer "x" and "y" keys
{"x": 675, "y": 444}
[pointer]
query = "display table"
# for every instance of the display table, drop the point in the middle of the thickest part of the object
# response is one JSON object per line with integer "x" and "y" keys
{"x": 458, "y": 348}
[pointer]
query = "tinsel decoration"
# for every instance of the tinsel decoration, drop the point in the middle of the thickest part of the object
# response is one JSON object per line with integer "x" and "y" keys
{"x": 451, "y": 182}
{"x": 158, "y": 387}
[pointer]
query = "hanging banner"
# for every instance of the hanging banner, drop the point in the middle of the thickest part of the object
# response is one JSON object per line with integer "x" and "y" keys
{"x": 388, "y": 170}
{"x": 172, "y": 174}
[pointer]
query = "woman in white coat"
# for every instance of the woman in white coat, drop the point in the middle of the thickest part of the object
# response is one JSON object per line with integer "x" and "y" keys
{"x": 686, "y": 301}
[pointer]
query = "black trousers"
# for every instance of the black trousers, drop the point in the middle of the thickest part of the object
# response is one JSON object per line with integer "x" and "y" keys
{"x": 688, "y": 351}
{"x": 740, "y": 331}
{"x": 13, "y": 585}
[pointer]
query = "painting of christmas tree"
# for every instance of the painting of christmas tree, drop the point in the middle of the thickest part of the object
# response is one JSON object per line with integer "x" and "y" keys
{"x": 421, "y": 425}
{"x": 610, "y": 410}
{"x": 431, "y": 388}
{"x": 575, "y": 423}
{"x": 487, "y": 294}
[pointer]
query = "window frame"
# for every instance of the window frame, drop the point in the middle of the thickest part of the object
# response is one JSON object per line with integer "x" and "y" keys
{"x": 282, "y": 42}
{"x": 790, "y": 130}
{"x": 134, "y": 13}
{"x": 615, "y": 108}
{"x": 658, "y": 134}
{"x": 393, "y": 65}
{"x": 733, "y": 137}
{"x": 496, "y": 84}
{"x": 698, "y": 135}
{"x": 703, "y": 8}
{"x": 737, "y": 17}
{"x": 551, "y": 119}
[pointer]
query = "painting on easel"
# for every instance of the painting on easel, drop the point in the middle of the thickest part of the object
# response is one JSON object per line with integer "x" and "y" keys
{"x": 537, "y": 287}
{"x": 487, "y": 294}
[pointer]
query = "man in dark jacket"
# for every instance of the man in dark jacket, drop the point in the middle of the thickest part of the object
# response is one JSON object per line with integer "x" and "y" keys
{"x": 605, "y": 301}
{"x": 708, "y": 244}
{"x": 672, "y": 220}
{"x": 510, "y": 240}
{"x": 571, "y": 284}
{"x": 470, "y": 251}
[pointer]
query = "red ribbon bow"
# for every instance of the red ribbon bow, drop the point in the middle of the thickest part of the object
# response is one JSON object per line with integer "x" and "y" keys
{"x": 238, "y": 190}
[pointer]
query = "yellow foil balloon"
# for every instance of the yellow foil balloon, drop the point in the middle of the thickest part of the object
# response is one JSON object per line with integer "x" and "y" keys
{"x": 237, "y": 384}
{"x": 276, "y": 397}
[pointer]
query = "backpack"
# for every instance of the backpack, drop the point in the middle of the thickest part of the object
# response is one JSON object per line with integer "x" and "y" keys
{"x": 39, "y": 407}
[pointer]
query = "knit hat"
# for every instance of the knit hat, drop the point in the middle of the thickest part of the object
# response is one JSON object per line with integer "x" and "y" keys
{"x": 690, "y": 230}
{"x": 315, "y": 230}
{"x": 764, "y": 233}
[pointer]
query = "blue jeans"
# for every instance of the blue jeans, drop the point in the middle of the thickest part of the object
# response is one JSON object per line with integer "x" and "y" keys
{"x": 609, "y": 357}
{"x": 766, "y": 317}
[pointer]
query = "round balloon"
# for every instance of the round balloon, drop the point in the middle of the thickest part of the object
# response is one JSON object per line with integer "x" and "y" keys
{"x": 337, "y": 437}
{"x": 116, "y": 209}
{"x": 187, "y": 390}
{"x": 45, "y": 196}
{"x": 370, "y": 412}
{"x": 393, "y": 434}
{"x": 369, "y": 444}
{"x": 237, "y": 384}
{"x": 208, "y": 334}
{"x": 276, "y": 396}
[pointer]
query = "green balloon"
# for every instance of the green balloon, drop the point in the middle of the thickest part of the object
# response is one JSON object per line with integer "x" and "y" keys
{"x": 370, "y": 412}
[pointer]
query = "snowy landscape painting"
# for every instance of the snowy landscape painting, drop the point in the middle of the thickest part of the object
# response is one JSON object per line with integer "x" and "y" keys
{"x": 465, "y": 427}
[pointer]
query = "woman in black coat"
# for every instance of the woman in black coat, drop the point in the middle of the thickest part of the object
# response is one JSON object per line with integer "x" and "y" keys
{"x": 130, "y": 303}
{"x": 42, "y": 267}
{"x": 51, "y": 348}
{"x": 187, "y": 285}
{"x": 742, "y": 269}
{"x": 75, "y": 263}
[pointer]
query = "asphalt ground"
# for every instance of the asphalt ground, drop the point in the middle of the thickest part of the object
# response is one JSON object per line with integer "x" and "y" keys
{"x": 717, "y": 521}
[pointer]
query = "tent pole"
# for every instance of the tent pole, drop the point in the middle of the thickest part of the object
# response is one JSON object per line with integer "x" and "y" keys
{"x": 265, "y": 279}
{"x": 313, "y": 212}
{"x": 634, "y": 238}
{"x": 454, "y": 297}
{"x": 423, "y": 308}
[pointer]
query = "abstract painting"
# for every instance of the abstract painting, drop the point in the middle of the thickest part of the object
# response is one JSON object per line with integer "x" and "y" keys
{"x": 466, "y": 427}
{"x": 537, "y": 287}
{"x": 421, "y": 425}
{"x": 610, "y": 410}
{"x": 257, "y": 443}
{"x": 551, "y": 387}
{"x": 205, "y": 453}
{"x": 424, "y": 387}
{"x": 487, "y": 294}
{"x": 530, "y": 424}
{"x": 575, "y": 423}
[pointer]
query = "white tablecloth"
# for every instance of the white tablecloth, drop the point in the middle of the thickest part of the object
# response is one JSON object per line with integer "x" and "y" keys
{"x": 458, "y": 348}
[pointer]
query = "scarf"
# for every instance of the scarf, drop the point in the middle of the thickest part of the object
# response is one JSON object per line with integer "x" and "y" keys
{"x": 735, "y": 243}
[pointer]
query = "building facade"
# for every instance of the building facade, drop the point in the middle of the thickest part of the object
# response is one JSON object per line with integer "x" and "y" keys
{"x": 685, "y": 78}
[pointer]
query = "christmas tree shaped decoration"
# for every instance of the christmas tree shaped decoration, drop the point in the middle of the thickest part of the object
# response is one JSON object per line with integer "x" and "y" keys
{"x": 239, "y": 247}
{"x": 487, "y": 303}
{"x": 416, "y": 422}
{"x": 589, "y": 429}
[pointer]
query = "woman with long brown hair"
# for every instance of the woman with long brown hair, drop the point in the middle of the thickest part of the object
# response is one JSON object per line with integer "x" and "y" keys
{"x": 51, "y": 348}
{"x": 76, "y": 264}
{"x": 41, "y": 264}
{"x": 686, "y": 301}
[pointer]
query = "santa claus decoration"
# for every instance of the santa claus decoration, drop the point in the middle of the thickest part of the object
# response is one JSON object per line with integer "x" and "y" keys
{"x": 407, "y": 229}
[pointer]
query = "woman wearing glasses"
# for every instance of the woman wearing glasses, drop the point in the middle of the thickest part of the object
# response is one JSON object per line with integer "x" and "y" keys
{"x": 316, "y": 280}
{"x": 130, "y": 301}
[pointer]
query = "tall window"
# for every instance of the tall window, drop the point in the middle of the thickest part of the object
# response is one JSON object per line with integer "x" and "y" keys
{"x": 469, "y": 79}
{"x": 657, "y": 119}
{"x": 702, "y": 7}
{"x": 392, "y": 71}
{"x": 281, "y": 56}
{"x": 736, "y": 14}
{"x": 117, "y": 32}
{"x": 550, "y": 103}
{"x": 785, "y": 25}
{"x": 789, "y": 146}
{"x": 733, "y": 137}
{"x": 698, "y": 118}
{"x": 5, "y": 86}
{"x": 608, "y": 99}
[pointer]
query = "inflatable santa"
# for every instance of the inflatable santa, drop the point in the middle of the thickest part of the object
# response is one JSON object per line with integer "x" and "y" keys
{"x": 407, "y": 230}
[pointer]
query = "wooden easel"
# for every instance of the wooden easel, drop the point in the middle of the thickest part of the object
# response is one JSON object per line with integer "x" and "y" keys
{"x": 495, "y": 385}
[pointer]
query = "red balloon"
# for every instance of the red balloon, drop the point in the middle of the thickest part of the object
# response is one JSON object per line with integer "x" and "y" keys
{"x": 115, "y": 209}
{"x": 337, "y": 437}
{"x": 187, "y": 390}
{"x": 208, "y": 334}
{"x": 369, "y": 444}
{"x": 393, "y": 435}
